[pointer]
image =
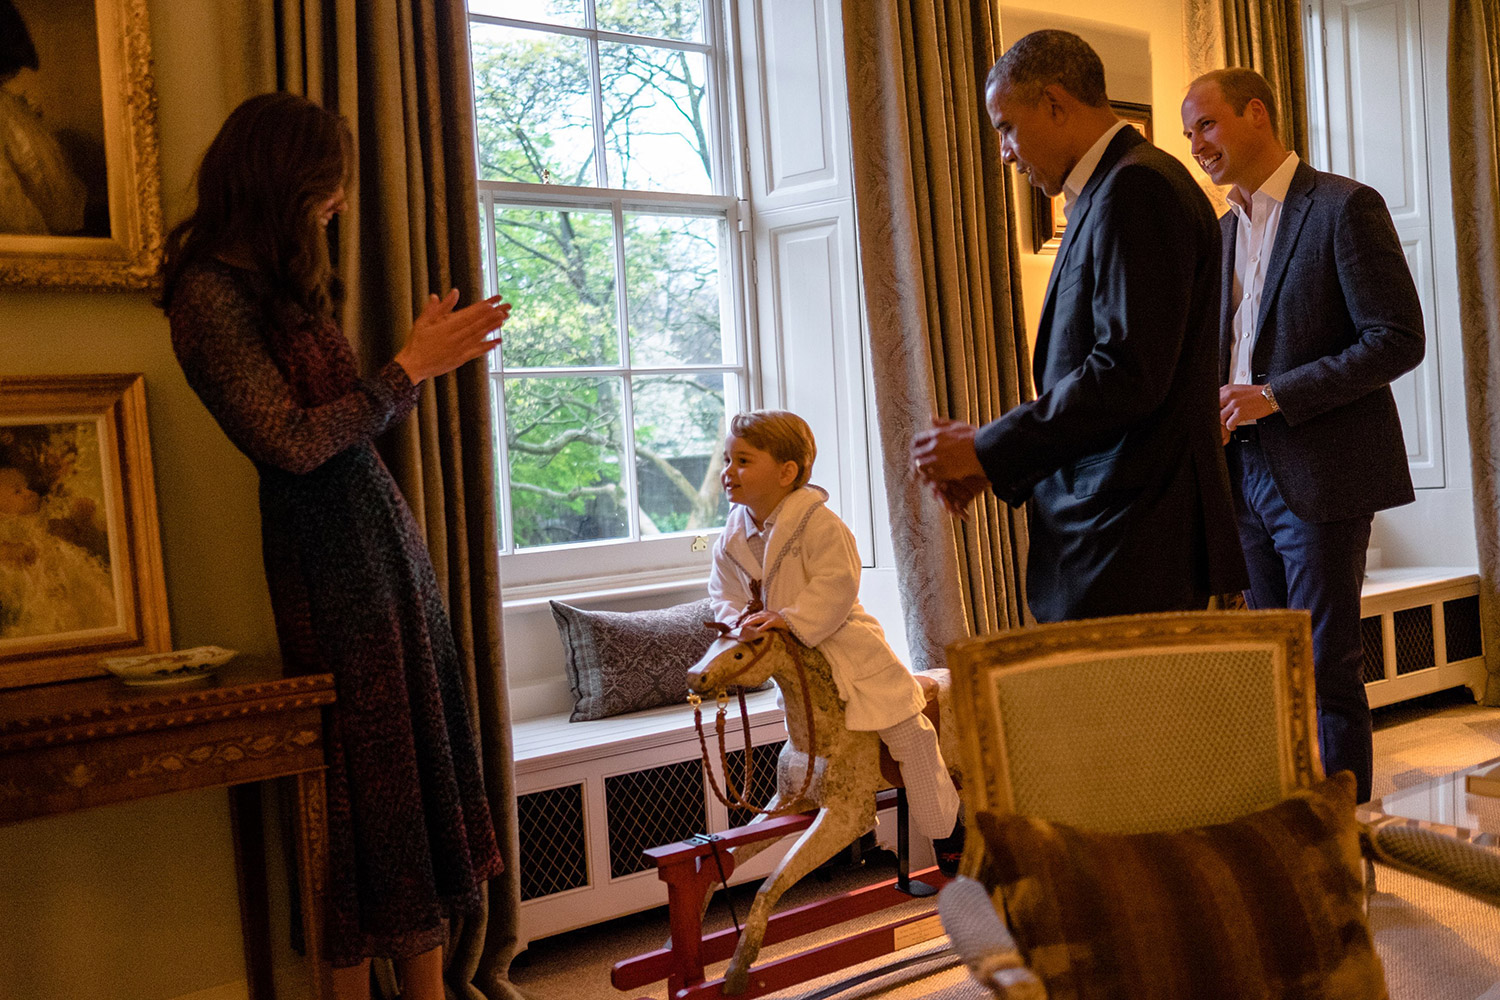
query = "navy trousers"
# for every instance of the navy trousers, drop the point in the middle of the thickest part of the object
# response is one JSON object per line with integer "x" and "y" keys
{"x": 1319, "y": 568}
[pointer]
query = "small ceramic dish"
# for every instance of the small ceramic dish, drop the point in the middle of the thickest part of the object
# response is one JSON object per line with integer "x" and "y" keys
{"x": 168, "y": 668}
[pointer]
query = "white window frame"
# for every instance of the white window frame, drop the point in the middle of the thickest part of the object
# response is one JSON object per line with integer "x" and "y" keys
{"x": 635, "y": 560}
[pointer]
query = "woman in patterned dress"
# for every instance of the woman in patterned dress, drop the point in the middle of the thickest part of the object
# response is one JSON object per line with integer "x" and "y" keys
{"x": 253, "y": 304}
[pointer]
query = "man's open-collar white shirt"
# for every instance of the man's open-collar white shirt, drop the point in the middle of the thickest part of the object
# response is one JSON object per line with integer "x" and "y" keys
{"x": 1078, "y": 177}
{"x": 1254, "y": 237}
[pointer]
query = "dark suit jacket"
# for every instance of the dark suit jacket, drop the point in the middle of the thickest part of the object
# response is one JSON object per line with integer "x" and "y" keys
{"x": 1339, "y": 320}
{"x": 1119, "y": 456}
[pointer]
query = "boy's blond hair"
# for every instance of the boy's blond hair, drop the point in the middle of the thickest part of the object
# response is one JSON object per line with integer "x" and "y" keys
{"x": 783, "y": 434}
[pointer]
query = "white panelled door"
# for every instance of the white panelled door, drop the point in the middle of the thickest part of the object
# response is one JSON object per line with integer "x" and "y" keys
{"x": 1373, "y": 86}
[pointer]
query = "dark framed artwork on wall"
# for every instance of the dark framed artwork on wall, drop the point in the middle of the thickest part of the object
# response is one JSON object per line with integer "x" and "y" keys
{"x": 1048, "y": 224}
{"x": 80, "y": 188}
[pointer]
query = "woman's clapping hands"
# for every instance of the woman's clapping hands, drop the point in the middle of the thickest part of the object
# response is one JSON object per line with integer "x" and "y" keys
{"x": 441, "y": 339}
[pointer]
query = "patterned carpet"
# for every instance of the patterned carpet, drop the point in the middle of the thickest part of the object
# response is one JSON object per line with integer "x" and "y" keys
{"x": 1435, "y": 944}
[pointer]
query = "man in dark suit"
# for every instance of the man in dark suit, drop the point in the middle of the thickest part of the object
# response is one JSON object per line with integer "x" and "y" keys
{"x": 1319, "y": 315}
{"x": 1118, "y": 458}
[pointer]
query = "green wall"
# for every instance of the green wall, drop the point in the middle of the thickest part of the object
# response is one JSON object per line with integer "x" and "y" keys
{"x": 137, "y": 901}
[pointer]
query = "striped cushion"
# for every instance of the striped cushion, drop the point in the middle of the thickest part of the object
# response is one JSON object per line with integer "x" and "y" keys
{"x": 1266, "y": 907}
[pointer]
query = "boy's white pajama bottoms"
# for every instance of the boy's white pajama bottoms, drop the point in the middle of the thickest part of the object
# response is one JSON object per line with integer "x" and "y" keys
{"x": 930, "y": 794}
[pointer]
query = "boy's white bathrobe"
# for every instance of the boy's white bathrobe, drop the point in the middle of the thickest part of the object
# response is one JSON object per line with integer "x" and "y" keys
{"x": 811, "y": 577}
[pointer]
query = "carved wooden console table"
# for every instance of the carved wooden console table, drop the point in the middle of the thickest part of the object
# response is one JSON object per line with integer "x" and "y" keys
{"x": 88, "y": 743}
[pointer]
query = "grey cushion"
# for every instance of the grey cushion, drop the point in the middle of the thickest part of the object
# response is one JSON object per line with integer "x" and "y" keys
{"x": 626, "y": 661}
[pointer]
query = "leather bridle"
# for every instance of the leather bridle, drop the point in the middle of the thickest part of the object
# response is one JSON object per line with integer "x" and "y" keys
{"x": 737, "y": 798}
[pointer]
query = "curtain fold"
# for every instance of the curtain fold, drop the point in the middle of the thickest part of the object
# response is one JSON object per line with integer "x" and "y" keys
{"x": 1263, "y": 35}
{"x": 399, "y": 71}
{"x": 1474, "y": 138}
{"x": 941, "y": 274}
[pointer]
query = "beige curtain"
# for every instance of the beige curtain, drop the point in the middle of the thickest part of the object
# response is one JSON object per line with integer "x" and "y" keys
{"x": 942, "y": 293}
{"x": 1263, "y": 35}
{"x": 399, "y": 71}
{"x": 1474, "y": 137}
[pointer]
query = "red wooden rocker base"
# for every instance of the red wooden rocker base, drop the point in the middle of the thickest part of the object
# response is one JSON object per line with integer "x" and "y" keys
{"x": 691, "y": 870}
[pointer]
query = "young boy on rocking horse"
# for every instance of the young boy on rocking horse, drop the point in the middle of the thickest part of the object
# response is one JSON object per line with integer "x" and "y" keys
{"x": 785, "y": 561}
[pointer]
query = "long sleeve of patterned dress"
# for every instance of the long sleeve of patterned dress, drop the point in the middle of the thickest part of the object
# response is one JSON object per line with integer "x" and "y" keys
{"x": 223, "y": 344}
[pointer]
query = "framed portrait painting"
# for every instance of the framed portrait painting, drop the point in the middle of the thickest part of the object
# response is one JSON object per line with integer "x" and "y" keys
{"x": 1048, "y": 224}
{"x": 80, "y": 188}
{"x": 80, "y": 555}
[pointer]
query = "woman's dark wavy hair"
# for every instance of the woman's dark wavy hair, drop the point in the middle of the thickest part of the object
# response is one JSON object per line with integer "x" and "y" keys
{"x": 275, "y": 161}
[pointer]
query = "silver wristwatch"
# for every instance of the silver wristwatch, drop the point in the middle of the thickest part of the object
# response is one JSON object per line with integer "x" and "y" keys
{"x": 1270, "y": 397}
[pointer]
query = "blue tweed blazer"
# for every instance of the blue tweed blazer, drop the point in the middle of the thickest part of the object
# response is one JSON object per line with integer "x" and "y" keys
{"x": 1339, "y": 321}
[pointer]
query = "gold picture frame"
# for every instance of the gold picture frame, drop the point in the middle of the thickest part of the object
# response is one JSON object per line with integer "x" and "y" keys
{"x": 1048, "y": 224}
{"x": 110, "y": 146}
{"x": 81, "y": 573}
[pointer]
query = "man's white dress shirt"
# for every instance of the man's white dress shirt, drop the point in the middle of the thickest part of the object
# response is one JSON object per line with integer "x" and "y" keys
{"x": 1254, "y": 237}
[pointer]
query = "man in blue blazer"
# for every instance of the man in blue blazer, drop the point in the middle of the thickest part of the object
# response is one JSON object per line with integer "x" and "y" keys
{"x": 1319, "y": 315}
{"x": 1118, "y": 459}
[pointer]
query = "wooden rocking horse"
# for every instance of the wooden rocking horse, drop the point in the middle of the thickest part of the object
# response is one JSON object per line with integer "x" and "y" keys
{"x": 824, "y": 766}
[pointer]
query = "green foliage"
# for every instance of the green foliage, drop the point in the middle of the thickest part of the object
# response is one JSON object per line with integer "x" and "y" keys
{"x": 558, "y": 267}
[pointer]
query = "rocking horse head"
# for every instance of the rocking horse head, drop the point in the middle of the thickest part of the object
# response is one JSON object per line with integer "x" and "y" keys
{"x": 735, "y": 659}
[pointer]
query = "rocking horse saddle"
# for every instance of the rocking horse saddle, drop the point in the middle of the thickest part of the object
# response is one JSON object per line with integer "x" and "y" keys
{"x": 889, "y": 769}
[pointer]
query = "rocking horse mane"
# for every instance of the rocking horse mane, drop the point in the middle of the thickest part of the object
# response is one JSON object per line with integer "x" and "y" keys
{"x": 816, "y": 664}
{"x": 818, "y": 676}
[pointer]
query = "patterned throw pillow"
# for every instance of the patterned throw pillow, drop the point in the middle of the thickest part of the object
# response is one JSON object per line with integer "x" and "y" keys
{"x": 624, "y": 661}
{"x": 1266, "y": 907}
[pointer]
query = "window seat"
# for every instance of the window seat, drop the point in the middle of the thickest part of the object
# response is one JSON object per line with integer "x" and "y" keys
{"x": 552, "y": 741}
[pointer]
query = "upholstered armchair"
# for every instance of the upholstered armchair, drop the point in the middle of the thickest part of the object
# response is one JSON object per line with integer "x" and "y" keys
{"x": 1148, "y": 817}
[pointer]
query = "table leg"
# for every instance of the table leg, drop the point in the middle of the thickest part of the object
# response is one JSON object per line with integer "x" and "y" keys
{"x": 312, "y": 871}
{"x": 246, "y": 817}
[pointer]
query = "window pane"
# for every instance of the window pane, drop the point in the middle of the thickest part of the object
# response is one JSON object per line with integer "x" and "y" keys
{"x": 679, "y": 440}
{"x": 532, "y": 106}
{"x": 568, "y": 12}
{"x": 673, "y": 268}
{"x": 557, "y": 268}
{"x": 656, "y": 119}
{"x": 680, "y": 19}
{"x": 565, "y": 440}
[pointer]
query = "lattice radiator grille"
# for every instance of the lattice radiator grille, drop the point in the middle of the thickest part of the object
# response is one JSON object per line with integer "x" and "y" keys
{"x": 660, "y": 805}
{"x": 1414, "y": 634}
{"x": 763, "y": 778}
{"x": 1461, "y": 628}
{"x": 1374, "y": 646}
{"x": 1414, "y": 639}
{"x": 554, "y": 843}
